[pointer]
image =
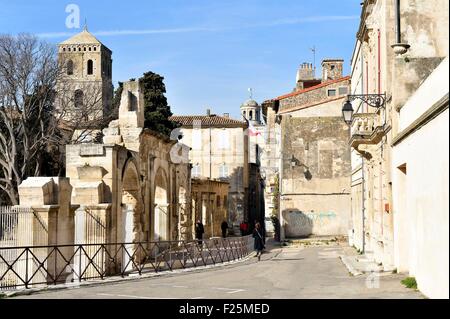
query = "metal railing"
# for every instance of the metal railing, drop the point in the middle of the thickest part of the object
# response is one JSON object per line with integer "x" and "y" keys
{"x": 75, "y": 263}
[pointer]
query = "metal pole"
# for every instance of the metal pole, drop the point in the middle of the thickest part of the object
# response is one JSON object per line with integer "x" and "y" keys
{"x": 397, "y": 21}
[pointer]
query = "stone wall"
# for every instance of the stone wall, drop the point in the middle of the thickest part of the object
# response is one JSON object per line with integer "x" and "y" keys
{"x": 315, "y": 95}
{"x": 316, "y": 190}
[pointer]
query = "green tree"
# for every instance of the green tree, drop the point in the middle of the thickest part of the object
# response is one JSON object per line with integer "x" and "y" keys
{"x": 156, "y": 109}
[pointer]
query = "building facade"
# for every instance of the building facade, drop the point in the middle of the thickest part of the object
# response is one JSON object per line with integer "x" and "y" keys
{"x": 314, "y": 166}
{"x": 219, "y": 150}
{"x": 399, "y": 203}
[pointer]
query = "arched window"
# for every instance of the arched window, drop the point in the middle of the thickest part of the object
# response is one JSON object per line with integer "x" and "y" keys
{"x": 78, "y": 98}
{"x": 250, "y": 115}
{"x": 69, "y": 67}
{"x": 90, "y": 67}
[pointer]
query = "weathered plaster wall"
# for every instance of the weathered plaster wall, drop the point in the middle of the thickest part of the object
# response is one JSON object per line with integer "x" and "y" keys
{"x": 317, "y": 188}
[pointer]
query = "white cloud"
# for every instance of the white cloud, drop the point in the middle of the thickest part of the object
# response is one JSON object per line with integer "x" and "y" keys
{"x": 314, "y": 19}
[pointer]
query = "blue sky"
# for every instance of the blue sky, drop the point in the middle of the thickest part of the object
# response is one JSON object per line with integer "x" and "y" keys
{"x": 209, "y": 51}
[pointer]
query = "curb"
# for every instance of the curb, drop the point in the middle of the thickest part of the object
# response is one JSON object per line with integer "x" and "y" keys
{"x": 349, "y": 266}
{"x": 115, "y": 279}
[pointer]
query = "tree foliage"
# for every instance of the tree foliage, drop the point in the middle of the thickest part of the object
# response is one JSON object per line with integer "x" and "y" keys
{"x": 156, "y": 109}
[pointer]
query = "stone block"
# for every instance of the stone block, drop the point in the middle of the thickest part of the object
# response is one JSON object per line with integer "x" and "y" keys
{"x": 94, "y": 173}
{"x": 92, "y": 150}
{"x": 87, "y": 193}
{"x": 113, "y": 139}
{"x": 37, "y": 191}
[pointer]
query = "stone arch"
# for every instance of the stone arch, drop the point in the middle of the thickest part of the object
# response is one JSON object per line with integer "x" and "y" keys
{"x": 131, "y": 217}
{"x": 161, "y": 204}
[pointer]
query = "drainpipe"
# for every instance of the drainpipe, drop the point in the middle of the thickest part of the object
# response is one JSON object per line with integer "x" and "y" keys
{"x": 363, "y": 208}
{"x": 397, "y": 22}
{"x": 379, "y": 61}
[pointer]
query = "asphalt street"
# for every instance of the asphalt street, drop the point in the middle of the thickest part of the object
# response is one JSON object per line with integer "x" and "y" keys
{"x": 297, "y": 272}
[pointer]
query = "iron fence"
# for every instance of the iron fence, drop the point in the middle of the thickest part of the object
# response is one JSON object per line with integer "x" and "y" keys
{"x": 71, "y": 263}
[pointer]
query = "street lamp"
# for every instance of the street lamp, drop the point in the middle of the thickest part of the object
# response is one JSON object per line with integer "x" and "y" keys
{"x": 347, "y": 112}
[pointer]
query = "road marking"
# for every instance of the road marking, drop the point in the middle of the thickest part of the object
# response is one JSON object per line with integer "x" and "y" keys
{"x": 180, "y": 286}
{"x": 131, "y": 296}
{"x": 230, "y": 291}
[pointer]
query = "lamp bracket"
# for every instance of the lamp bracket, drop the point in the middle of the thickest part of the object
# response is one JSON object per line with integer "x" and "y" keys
{"x": 374, "y": 100}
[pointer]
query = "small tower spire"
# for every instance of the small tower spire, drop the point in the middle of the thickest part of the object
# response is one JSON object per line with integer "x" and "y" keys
{"x": 250, "y": 90}
{"x": 85, "y": 25}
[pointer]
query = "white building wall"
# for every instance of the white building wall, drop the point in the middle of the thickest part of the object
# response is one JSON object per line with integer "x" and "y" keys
{"x": 421, "y": 195}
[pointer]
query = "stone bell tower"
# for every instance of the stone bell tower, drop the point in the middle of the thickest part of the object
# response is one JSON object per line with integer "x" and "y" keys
{"x": 86, "y": 83}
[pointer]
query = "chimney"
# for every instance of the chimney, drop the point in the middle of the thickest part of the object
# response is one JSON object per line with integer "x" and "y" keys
{"x": 305, "y": 73}
{"x": 332, "y": 69}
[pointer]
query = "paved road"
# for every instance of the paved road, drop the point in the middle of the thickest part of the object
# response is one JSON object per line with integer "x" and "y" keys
{"x": 302, "y": 272}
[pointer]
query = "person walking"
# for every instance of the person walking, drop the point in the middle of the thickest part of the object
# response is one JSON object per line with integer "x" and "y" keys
{"x": 244, "y": 228}
{"x": 259, "y": 240}
{"x": 199, "y": 231}
{"x": 224, "y": 227}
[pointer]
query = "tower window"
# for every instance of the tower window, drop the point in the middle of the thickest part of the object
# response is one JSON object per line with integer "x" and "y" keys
{"x": 70, "y": 67}
{"x": 78, "y": 98}
{"x": 90, "y": 67}
{"x": 84, "y": 49}
{"x": 64, "y": 49}
{"x": 250, "y": 115}
{"x": 79, "y": 49}
{"x": 95, "y": 48}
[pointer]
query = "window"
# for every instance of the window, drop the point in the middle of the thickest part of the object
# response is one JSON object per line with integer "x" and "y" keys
{"x": 224, "y": 139}
{"x": 90, "y": 67}
{"x": 78, "y": 98}
{"x": 223, "y": 171}
{"x": 250, "y": 115}
{"x": 343, "y": 90}
{"x": 69, "y": 67}
{"x": 332, "y": 92}
{"x": 196, "y": 170}
{"x": 218, "y": 201}
{"x": 196, "y": 139}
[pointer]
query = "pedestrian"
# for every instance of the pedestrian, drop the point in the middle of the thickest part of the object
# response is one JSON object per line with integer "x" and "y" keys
{"x": 199, "y": 230}
{"x": 259, "y": 240}
{"x": 224, "y": 227}
{"x": 244, "y": 228}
